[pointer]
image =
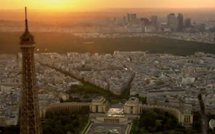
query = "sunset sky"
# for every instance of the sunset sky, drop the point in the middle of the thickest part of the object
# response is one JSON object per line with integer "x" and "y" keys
{"x": 83, "y": 5}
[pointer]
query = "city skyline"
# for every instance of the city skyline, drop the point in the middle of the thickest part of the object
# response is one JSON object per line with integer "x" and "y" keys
{"x": 89, "y": 5}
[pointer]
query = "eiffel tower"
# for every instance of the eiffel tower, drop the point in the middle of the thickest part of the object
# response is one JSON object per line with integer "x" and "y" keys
{"x": 29, "y": 107}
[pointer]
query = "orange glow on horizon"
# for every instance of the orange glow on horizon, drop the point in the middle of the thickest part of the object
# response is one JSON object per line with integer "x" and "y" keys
{"x": 52, "y": 5}
{"x": 86, "y": 5}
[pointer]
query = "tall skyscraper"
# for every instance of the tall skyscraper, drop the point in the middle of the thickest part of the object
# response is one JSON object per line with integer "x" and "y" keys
{"x": 154, "y": 21}
{"x": 132, "y": 18}
{"x": 172, "y": 22}
{"x": 187, "y": 22}
{"x": 29, "y": 112}
{"x": 180, "y": 18}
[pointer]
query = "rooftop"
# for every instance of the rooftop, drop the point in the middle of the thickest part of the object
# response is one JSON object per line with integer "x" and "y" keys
{"x": 98, "y": 99}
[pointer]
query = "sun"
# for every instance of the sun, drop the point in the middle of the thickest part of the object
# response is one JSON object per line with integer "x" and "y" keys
{"x": 52, "y": 4}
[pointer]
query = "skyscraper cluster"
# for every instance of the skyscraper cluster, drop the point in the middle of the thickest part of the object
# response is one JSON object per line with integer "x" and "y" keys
{"x": 131, "y": 18}
{"x": 171, "y": 22}
{"x": 174, "y": 22}
{"x": 177, "y": 23}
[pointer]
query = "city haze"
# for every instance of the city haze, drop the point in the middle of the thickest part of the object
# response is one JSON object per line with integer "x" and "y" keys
{"x": 83, "y": 5}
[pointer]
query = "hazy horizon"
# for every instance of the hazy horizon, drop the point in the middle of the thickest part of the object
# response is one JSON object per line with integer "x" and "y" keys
{"x": 34, "y": 15}
{"x": 86, "y": 5}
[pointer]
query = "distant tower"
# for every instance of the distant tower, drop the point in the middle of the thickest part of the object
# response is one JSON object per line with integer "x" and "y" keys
{"x": 187, "y": 23}
{"x": 180, "y": 18}
{"x": 154, "y": 20}
{"x": 29, "y": 112}
{"x": 172, "y": 22}
{"x": 131, "y": 17}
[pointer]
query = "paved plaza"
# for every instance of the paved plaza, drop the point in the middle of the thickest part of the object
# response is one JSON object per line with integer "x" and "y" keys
{"x": 107, "y": 129}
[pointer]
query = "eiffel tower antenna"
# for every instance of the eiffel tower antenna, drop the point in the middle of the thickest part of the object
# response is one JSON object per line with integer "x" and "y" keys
{"x": 26, "y": 20}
